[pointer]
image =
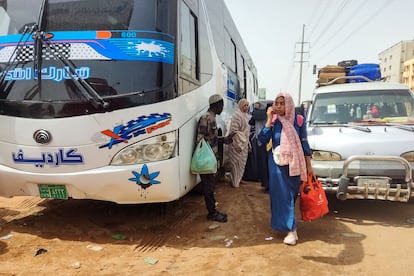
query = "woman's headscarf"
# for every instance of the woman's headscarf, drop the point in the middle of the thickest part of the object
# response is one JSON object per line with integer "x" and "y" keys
{"x": 242, "y": 102}
{"x": 241, "y": 138}
{"x": 290, "y": 145}
{"x": 239, "y": 111}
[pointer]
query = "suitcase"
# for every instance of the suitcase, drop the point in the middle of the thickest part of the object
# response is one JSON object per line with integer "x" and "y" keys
{"x": 347, "y": 64}
{"x": 370, "y": 70}
{"x": 331, "y": 72}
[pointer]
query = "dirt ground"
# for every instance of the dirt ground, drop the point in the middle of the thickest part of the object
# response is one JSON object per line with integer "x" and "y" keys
{"x": 82, "y": 237}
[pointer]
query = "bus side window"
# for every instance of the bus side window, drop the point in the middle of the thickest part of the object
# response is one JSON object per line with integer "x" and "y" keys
{"x": 188, "y": 50}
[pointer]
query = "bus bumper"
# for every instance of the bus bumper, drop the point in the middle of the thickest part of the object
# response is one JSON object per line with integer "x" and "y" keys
{"x": 140, "y": 183}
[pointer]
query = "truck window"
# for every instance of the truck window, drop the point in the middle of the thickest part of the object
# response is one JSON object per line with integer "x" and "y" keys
{"x": 345, "y": 107}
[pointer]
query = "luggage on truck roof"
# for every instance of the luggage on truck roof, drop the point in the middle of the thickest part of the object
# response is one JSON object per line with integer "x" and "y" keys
{"x": 348, "y": 63}
{"x": 370, "y": 70}
{"x": 338, "y": 74}
{"x": 329, "y": 73}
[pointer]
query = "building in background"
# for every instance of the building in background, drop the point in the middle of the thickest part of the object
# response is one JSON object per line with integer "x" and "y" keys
{"x": 392, "y": 60}
{"x": 262, "y": 93}
{"x": 408, "y": 74}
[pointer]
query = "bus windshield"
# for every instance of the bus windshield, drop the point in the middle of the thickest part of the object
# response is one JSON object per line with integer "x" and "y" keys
{"x": 68, "y": 57}
{"x": 382, "y": 106}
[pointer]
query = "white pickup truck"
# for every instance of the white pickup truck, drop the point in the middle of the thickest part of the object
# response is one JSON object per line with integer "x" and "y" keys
{"x": 362, "y": 137}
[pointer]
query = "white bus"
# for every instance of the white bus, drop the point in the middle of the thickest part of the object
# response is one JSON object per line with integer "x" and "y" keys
{"x": 99, "y": 99}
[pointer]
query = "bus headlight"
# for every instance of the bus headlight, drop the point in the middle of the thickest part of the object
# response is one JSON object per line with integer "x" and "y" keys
{"x": 409, "y": 156}
{"x": 156, "y": 148}
{"x": 320, "y": 155}
{"x": 128, "y": 155}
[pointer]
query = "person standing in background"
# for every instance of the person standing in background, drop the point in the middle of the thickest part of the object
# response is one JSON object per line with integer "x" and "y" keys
{"x": 207, "y": 129}
{"x": 288, "y": 168}
{"x": 239, "y": 149}
{"x": 258, "y": 120}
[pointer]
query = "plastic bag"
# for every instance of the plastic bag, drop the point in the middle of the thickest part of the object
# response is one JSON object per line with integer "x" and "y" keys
{"x": 313, "y": 201}
{"x": 278, "y": 157}
{"x": 203, "y": 160}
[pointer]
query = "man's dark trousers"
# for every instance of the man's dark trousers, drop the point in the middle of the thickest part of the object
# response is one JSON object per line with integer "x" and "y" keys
{"x": 208, "y": 182}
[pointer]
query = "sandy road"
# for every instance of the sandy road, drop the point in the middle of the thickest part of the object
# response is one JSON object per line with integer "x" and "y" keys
{"x": 82, "y": 237}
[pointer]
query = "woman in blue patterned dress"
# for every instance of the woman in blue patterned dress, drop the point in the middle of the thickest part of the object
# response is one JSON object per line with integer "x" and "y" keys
{"x": 290, "y": 140}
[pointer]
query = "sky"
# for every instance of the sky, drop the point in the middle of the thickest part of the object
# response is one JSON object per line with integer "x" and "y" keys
{"x": 335, "y": 30}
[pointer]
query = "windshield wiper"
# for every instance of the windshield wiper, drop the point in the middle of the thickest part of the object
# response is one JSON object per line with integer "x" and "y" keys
{"x": 11, "y": 63}
{"x": 403, "y": 127}
{"x": 87, "y": 91}
{"x": 322, "y": 123}
{"x": 29, "y": 30}
{"x": 318, "y": 123}
{"x": 365, "y": 129}
{"x": 37, "y": 48}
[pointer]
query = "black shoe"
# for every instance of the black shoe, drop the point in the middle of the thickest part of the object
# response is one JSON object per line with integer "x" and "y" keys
{"x": 210, "y": 215}
{"x": 224, "y": 214}
{"x": 217, "y": 216}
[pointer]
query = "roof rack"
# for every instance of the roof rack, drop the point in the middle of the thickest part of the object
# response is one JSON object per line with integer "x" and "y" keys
{"x": 333, "y": 81}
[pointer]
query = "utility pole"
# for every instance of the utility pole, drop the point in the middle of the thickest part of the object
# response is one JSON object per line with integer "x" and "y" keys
{"x": 302, "y": 45}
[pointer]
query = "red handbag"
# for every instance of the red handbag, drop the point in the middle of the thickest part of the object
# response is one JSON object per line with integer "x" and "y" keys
{"x": 313, "y": 201}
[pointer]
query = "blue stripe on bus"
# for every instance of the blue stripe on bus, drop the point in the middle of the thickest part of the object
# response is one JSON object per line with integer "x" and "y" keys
{"x": 128, "y": 48}
{"x": 232, "y": 95}
{"x": 79, "y": 35}
{"x": 146, "y": 49}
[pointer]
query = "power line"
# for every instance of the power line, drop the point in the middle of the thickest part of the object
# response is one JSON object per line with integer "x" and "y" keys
{"x": 313, "y": 15}
{"x": 328, "y": 3}
{"x": 341, "y": 27}
{"x": 364, "y": 23}
{"x": 333, "y": 18}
